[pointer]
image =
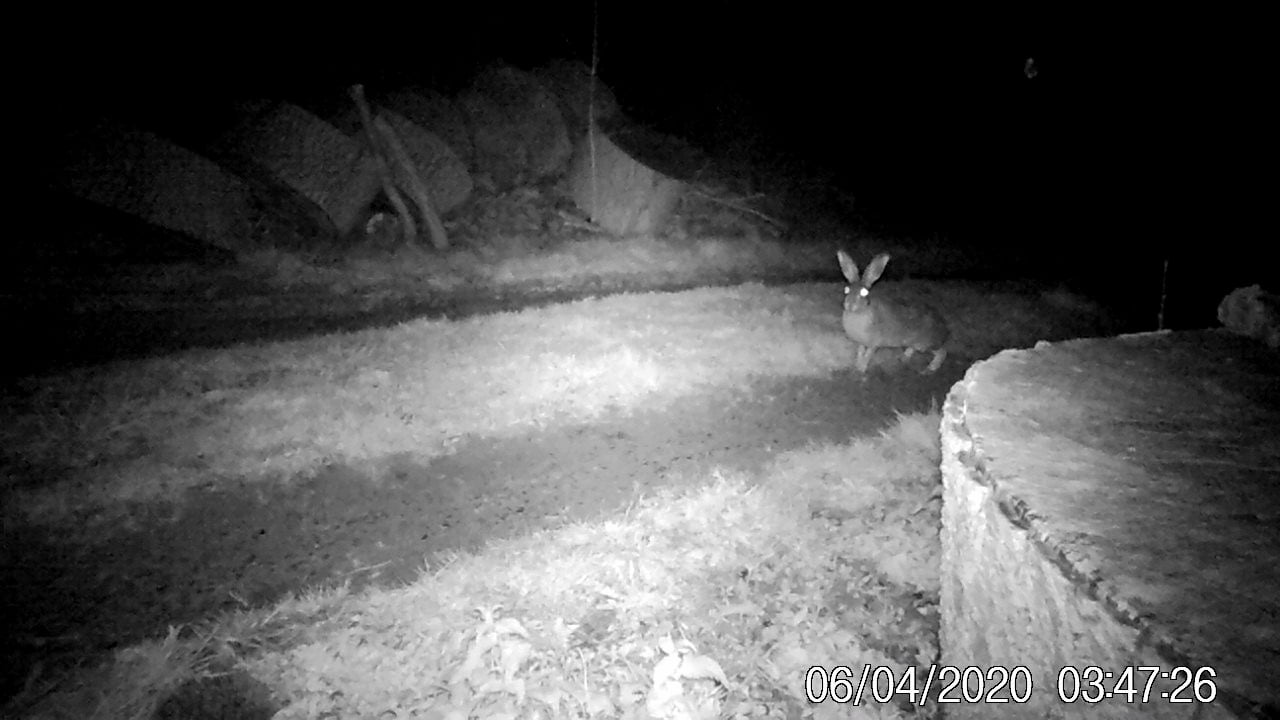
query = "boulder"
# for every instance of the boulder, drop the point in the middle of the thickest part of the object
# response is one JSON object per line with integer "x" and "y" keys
{"x": 517, "y": 129}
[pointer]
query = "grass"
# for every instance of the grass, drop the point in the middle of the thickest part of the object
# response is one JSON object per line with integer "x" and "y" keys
{"x": 712, "y": 602}
{"x": 273, "y": 281}
{"x": 715, "y": 601}
{"x": 96, "y": 440}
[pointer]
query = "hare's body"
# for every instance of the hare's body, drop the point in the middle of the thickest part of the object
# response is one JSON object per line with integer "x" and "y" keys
{"x": 873, "y": 321}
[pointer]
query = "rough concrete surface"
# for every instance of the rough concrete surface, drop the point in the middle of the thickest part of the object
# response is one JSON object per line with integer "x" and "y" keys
{"x": 1116, "y": 503}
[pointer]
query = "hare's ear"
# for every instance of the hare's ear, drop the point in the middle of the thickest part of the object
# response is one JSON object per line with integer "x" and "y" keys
{"x": 848, "y": 267}
{"x": 874, "y": 269}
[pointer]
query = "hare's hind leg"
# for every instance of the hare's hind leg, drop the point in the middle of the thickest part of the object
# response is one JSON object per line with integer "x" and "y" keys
{"x": 938, "y": 356}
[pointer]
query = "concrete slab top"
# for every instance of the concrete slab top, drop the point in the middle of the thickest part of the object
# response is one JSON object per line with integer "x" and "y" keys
{"x": 1148, "y": 467}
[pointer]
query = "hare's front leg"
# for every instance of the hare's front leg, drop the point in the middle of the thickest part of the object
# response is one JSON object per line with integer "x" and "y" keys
{"x": 863, "y": 358}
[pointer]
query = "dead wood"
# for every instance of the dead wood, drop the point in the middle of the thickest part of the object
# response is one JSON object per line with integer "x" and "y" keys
{"x": 406, "y": 173}
{"x": 398, "y": 172}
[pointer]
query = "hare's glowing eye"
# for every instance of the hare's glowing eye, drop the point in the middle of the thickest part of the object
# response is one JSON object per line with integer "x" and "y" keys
{"x": 847, "y": 289}
{"x": 863, "y": 292}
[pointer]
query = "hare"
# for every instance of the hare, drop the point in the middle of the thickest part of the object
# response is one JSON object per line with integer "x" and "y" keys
{"x": 876, "y": 322}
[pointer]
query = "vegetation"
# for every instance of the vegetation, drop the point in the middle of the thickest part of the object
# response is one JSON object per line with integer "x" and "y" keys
{"x": 709, "y": 602}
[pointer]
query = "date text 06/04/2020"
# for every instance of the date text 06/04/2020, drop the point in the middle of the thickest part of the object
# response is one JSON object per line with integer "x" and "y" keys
{"x": 1085, "y": 684}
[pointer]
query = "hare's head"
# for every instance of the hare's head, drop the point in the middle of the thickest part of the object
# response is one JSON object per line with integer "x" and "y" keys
{"x": 858, "y": 287}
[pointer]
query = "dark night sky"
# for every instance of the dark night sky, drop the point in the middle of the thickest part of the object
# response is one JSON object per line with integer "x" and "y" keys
{"x": 1146, "y": 127}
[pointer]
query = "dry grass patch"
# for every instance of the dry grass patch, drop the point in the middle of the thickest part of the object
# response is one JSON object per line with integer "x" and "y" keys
{"x": 521, "y": 261}
{"x": 705, "y": 604}
{"x": 150, "y": 429}
{"x": 505, "y": 263}
{"x": 87, "y": 443}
